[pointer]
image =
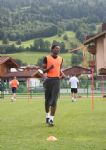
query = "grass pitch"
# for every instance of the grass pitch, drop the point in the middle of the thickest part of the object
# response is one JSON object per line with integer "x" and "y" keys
{"x": 22, "y": 125}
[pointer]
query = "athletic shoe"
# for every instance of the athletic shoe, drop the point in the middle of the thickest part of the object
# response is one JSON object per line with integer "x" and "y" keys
{"x": 50, "y": 123}
{"x": 74, "y": 100}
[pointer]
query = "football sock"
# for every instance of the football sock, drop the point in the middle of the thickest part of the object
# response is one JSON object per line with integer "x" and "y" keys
{"x": 47, "y": 115}
{"x": 51, "y": 118}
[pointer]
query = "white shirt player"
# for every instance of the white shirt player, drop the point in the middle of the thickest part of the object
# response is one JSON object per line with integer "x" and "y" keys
{"x": 74, "y": 82}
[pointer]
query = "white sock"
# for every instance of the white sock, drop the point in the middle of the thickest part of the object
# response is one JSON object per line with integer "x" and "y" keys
{"x": 51, "y": 118}
{"x": 47, "y": 115}
{"x": 72, "y": 98}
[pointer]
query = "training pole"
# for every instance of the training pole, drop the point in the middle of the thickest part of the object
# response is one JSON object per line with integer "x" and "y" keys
{"x": 102, "y": 86}
{"x": 92, "y": 89}
{"x": 29, "y": 95}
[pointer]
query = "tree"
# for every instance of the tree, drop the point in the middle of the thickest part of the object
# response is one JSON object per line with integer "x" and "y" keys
{"x": 18, "y": 42}
{"x": 65, "y": 37}
{"x": 36, "y": 45}
{"x": 5, "y": 41}
{"x": 63, "y": 49}
{"x": 55, "y": 42}
{"x": 76, "y": 58}
{"x": 20, "y": 62}
{"x": 40, "y": 61}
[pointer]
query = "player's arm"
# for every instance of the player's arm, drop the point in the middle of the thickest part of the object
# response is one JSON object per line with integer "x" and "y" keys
{"x": 10, "y": 83}
{"x": 18, "y": 83}
{"x": 69, "y": 81}
{"x": 62, "y": 75}
{"x": 78, "y": 83}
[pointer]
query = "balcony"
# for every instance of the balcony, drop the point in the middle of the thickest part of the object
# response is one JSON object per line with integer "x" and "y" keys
{"x": 102, "y": 71}
{"x": 92, "y": 49}
{"x": 91, "y": 64}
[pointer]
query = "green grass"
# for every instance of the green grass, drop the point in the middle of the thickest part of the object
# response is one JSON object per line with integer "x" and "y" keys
{"x": 22, "y": 125}
{"x": 33, "y": 57}
{"x": 28, "y": 57}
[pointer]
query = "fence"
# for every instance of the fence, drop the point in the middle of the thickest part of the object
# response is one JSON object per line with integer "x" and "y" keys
{"x": 84, "y": 89}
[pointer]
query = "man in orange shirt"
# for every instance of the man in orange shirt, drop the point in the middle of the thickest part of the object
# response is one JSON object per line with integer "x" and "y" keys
{"x": 52, "y": 66}
{"x": 14, "y": 85}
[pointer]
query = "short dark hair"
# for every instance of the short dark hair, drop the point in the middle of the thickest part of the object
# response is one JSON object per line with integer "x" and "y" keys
{"x": 53, "y": 46}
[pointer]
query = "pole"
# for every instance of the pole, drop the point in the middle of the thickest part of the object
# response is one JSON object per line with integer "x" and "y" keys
{"x": 102, "y": 86}
{"x": 29, "y": 89}
{"x": 87, "y": 87}
{"x": 92, "y": 89}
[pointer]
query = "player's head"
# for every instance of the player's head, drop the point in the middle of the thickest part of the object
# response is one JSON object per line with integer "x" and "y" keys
{"x": 55, "y": 49}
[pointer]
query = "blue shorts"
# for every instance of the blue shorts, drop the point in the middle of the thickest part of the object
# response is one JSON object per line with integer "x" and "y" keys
{"x": 14, "y": 89}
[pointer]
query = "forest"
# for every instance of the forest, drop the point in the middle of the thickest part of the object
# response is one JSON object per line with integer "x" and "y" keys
{"x": 27, "y": 19}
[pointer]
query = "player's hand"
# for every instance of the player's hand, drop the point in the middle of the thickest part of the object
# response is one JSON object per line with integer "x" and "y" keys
{"x": 51, "y": 67}
{"x": 62, "y": 75}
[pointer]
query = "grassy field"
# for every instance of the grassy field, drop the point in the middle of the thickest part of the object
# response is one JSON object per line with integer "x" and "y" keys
{"x": 22, "y": 125}
{"x": 33, "y": 57}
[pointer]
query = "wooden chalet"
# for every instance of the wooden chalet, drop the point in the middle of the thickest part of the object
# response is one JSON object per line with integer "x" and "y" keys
{"x": 76, "y": 70}
{"x": 97, "y": 48}
{"x": 7, "y": 63}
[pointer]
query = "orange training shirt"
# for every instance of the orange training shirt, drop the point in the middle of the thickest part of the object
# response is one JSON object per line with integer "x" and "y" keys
{"x": 56, "y": 62}
{"x": 14, "y": 83}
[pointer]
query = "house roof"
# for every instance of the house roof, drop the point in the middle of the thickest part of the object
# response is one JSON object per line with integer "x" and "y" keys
{"x": 76, "y": 70}
{"x": 95, "y": 37}
{"x": 23, "y": 74}
{"x": 9, "y": 61}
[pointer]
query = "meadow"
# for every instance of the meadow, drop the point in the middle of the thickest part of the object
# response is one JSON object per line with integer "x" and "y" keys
{"x": 77, "y": 127}
{"x": 31, "y": 58}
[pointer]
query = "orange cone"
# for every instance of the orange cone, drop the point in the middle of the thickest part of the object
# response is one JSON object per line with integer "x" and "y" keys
{"x": 51, "y": 138}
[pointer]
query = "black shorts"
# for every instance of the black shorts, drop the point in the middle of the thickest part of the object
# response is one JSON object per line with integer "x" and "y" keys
{"x": 14, "y": 89}
{"x": 74, "y": 90}
{"x": 52, "y": 88}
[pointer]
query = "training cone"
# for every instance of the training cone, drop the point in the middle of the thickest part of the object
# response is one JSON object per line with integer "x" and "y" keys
{"x": 51, "y": 138}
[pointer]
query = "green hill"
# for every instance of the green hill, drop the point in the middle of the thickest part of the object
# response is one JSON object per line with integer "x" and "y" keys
{"x": 27, "y": 19}
{"x": 31, "y": 58}
{"x": 70, "y": 35}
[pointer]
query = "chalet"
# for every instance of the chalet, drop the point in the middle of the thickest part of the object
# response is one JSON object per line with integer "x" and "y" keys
{"x": 7, "y": 63}
{"x": 97, "y": 48}
{"x": 77, "y": 70}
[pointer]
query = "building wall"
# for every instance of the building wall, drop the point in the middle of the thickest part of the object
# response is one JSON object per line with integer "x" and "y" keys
{"x": 100, "y": 53}
{"x": 105, "y": 52}
{"x": 3, "y": 69}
